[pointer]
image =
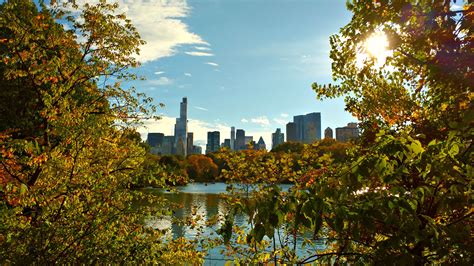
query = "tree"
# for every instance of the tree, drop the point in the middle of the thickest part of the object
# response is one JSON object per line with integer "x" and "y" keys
{"x": 405, "y": 194}
{"x": 68, "y": 150}
{"x": 201, "y": 168}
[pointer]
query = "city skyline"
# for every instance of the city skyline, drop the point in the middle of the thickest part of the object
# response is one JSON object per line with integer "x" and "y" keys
{"x": 305, "y": 128}
{"x": 246, "y": 69}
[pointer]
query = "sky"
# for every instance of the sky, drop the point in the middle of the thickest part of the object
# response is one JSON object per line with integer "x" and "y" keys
{"x": 243, "y": 63}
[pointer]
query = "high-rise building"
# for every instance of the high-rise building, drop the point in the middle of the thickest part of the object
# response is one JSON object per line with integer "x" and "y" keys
{"x": 239, "y": 140}
{"x": 305, "y": 128}
{"x": 197, "y": 149}
{"x": 299, "y": 126}
{"x": 213, "y": 141}
{"x": 155, "y": 139}
{"x": 190, "y": 143}
{"x": 232, "y": 138}
{"x": 347, "y": 133}
{"x": 167, "y": 147}
{"x": 261, "y": 144}
{"x": 311, "y": 127}
{"x": 226, "y": 143}
{"x": 291, "y": 132}
{"x": 248, "y": 140}
{"x": 328, "y": 133}
{"x": 277, "y": 138}
{"x": 181, "y": 129}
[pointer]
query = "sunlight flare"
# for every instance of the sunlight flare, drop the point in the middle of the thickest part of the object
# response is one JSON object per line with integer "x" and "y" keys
{"x": 376, "y": 46}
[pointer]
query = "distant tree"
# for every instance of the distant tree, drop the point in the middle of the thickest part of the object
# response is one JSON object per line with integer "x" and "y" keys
{"x": 68, "y": 149}
{"x": 289, "y": 147}
{"x": 201, "y": 168}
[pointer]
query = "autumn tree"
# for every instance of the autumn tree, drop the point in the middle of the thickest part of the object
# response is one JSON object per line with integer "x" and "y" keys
{"x": 404, "y": 196}
{"x": 201, "y": 168}
{"x": 68, "y": 149}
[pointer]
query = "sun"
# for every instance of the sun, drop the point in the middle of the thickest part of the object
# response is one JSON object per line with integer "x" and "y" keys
{"x": 376, "y": 46}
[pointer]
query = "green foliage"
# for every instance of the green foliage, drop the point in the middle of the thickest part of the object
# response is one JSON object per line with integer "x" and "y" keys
{"x": 403, "y": 195}
{"x": 68, "y": 148}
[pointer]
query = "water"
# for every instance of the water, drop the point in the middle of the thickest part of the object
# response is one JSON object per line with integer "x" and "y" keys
{"x": 201, "y": 202}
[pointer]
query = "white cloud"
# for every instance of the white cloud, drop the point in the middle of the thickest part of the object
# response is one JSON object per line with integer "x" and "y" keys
{"x": 280, "y": 121}
{"x": 202, "y": 48}
{"x": 162, "y": 81}
{"x": 159, "y": 24}
{"x": 243, "y": 120}
{"x": 212, "y": 64}
{"x": 188, "y": 74}
{"x": 159, "y": 72}
{"x": 201, "y": 108}
{"x": 284, "y": 115}
{"x": 197, "y": 53}
{"x": 261, "y": 120}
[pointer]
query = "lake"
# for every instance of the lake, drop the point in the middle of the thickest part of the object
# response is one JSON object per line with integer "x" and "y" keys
{"x": 197, "y": 200}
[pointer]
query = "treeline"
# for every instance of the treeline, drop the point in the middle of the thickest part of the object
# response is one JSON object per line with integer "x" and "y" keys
{"x": 179, "y": 170}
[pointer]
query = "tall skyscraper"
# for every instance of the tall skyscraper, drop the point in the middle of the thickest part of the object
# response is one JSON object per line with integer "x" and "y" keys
{"x": 232, "y": 138}
{"x": 239, "y": 140}
{"x": 291, "y": 132}
{"x": 190, "y": 143}
{"x": 305, "y": 128}
{"x": 213, "y": 141}
{"x": 277, "y": 138}
{"x": 347, "y": 133}
{"x": 311, "y": 127}
{"x": 181, "y": 129}
{"x": 328, "y": 134}
{"x": 299, "y": 127}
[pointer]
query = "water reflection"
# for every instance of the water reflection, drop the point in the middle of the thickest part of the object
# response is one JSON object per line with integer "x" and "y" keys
{"x": 194, "y": 205}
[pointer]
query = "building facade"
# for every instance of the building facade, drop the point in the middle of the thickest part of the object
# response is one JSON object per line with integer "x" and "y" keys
{"x": 232, "y": 138}
{"x": 277, "y": 138}
{"x": 181, "y": 129}
{"x": 328, "y": 134}
{"x": 291, "y": 132}
{"x": 239, "y": 140}
{"x": 260, "y": 145}
{"x": 213, "y": 141}
{"x": 349, "y": 132}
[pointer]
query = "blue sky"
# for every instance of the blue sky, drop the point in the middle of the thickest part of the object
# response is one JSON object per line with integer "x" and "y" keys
{"x": 243, "y": 63}
{"x": 248, "y": 64}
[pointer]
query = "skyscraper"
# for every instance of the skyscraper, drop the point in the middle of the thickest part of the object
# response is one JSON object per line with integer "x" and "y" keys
{"x": 277, "y": 138}
{"x": 291, "y": 132}
{"x": 190, "y": 143}
{"x": 239, "y": 140}
{"x": 181, "y": 129}
{"x": 347, "y": 133}
{"x": 213, "y": 141}
{"x": 155, "y": 139}
{"x": 311, "y": 127}
{"x": 226, "y": 143}
{"x": 305, "y": 128}
{"x": 261, "y": 144}
{"x": 299, "y": 127}
{"x": 328, "y": 134}
{"x": 232, "y": 138}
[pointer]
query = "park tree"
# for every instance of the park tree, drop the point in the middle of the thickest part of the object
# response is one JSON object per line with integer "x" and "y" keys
{"x": 201, "y": 168}
{"x": 68, "y": 149}
{"x": 404, "y": 196}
